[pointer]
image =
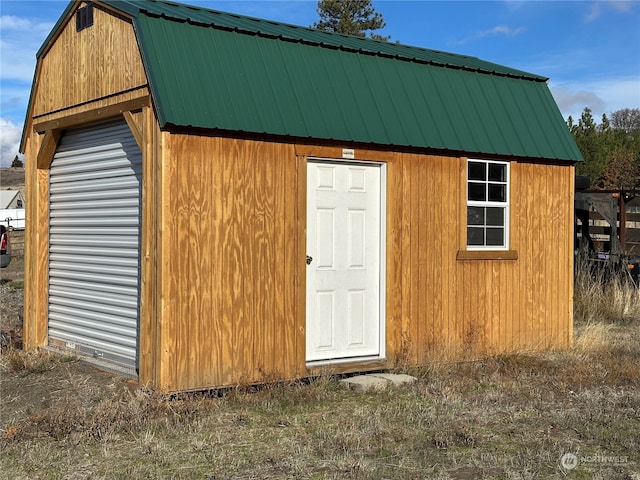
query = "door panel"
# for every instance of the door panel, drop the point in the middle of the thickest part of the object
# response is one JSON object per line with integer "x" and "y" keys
{"x": 343, "y": 278}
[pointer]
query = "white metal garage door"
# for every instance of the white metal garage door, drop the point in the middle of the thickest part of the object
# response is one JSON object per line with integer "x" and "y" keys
{"x": 94, "y": 242}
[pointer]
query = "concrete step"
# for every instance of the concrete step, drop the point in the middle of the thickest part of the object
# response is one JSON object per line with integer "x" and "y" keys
{"x": 377, "y": 381}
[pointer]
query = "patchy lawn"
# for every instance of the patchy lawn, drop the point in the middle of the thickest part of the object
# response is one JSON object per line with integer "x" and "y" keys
{"x": 513, "y": 416}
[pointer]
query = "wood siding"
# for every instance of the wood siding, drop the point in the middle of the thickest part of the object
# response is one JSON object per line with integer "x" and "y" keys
{"x": 228, "y": 272}
{"x": 488, "y": 303}
{"x": 105, "y": 57}
{"x": 233, "y": 249}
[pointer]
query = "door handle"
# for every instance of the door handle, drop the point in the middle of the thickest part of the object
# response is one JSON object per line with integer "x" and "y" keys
{"x": 309, "y": 260}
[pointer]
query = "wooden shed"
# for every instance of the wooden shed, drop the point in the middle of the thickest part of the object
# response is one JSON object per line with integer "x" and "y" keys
{"x": 215, "y": 199}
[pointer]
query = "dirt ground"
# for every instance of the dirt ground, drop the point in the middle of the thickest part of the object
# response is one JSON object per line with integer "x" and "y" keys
{"x": 23, "y": 394}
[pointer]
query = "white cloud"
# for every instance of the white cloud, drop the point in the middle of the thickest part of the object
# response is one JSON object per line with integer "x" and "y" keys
{"x": 501, "y": 30}
{"x": 10, "y": 134}
{"x": 598, "y": 8}
{"x": 22, "y": 25}
{"x": 498, "y": 30}
{"x": 21, "y": 38}
{"x": 601, "y": 96}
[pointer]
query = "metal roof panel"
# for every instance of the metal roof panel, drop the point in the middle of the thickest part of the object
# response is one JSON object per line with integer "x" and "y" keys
{"x": 215, "y": 70}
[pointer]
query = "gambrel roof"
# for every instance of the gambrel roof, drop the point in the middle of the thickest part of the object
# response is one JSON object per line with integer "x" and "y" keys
{"x": 214, "y": 70}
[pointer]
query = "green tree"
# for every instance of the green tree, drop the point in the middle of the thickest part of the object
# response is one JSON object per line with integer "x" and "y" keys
{"x": 611, "y": 150}
{"x": 350, "y": 17}
{"x": 587, "y": 138}
{"x": 17, "y": 162}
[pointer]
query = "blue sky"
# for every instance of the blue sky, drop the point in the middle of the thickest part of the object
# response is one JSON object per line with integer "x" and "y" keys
{"x": 590, "y": 50}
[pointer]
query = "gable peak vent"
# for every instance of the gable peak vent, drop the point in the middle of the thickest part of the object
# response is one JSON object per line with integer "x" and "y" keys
{"x": 84, "y": 17}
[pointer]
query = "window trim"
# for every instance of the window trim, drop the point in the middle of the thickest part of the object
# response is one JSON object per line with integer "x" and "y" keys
{"x": 506, "y": 206}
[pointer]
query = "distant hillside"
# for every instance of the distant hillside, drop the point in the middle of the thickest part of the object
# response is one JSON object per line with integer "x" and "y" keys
{"x": 12, "y": 178}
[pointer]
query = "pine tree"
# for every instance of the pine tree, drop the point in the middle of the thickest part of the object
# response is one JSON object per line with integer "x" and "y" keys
{"x": 17, "y": 162}
{"x": 350, "y": 17}
{"x": 611, "y": 150}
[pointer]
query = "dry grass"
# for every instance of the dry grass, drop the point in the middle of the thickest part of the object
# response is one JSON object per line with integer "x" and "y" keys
{"x": 599, "y": 297}
{"x": 512, "y": 416}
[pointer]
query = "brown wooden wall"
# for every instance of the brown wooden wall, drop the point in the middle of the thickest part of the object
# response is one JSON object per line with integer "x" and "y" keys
{"x": 524, "y": 304}
{"x": 105, "y": 58}
{"x": 233, "y": 247}
{"x": 227, "y": 274}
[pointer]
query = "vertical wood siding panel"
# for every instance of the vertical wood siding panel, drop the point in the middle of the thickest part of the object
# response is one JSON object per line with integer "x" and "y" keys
{"x": 569, "y": 190}
{"x": 553, "y": 258}
{"x": 542, "y": 214}
{"x": 293, "y": 230}
{"x": 528, "y": 276}
{"x": 461, "y": 287}
{"x": 289, "y": 251}
{"x": 168, "y": 266}
{"x": 220, "y": 355}
{"x": 295, "y": 242}
{"x": 187, "y": 255}
{"x": 207, "y": 348}
{"x": 448, "y": 249}
{"x": 394, "y": 260}
{"x": 407, "y": 210}
{"x": 222, "y": 325}
{"x": 512, "y": 277}
{"x": 149, "y": 252}
{"x": 249, "y": 163}
{"x": 229, "y": 258}
{"x": 262, "y": 270}
{"x": 415, "y": 323}
{"x": 241, "y": 290}
{"x": 495, "y": 339}
{"x": 424, "y": 204}
{"x": 281, "y": 322}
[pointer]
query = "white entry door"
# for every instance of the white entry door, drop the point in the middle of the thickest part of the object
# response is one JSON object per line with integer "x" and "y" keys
{"x": 344, "y": 260}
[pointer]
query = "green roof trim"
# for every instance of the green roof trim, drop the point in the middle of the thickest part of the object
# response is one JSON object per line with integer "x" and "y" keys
{"x": 214, "y": 70}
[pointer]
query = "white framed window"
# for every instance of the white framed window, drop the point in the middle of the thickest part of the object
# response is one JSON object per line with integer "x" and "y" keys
{"x": 487, "y": 205}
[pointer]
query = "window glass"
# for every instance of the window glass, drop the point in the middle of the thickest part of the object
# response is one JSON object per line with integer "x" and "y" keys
{"x": 487, "y": 205}
{"x": 477, "y": 171}
{"x": 495, "y": 236}
{"x": 475, "y": 236}
{"x": 477, "y": 192}
{"x": 497, "y": 172}
{"x": 495, "y": 216}
{"x": 475, "y": 216}
{"x": 497, "y": 193}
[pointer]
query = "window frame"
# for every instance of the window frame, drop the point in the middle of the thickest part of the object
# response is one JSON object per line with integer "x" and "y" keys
{"x": 504, "y": 205}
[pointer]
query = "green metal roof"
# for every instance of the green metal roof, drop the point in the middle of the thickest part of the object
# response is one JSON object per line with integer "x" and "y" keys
{"x": 215, "y": 70}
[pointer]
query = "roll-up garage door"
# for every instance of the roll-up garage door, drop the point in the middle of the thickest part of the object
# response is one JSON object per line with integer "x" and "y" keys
{"x": 94, "y": 242}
